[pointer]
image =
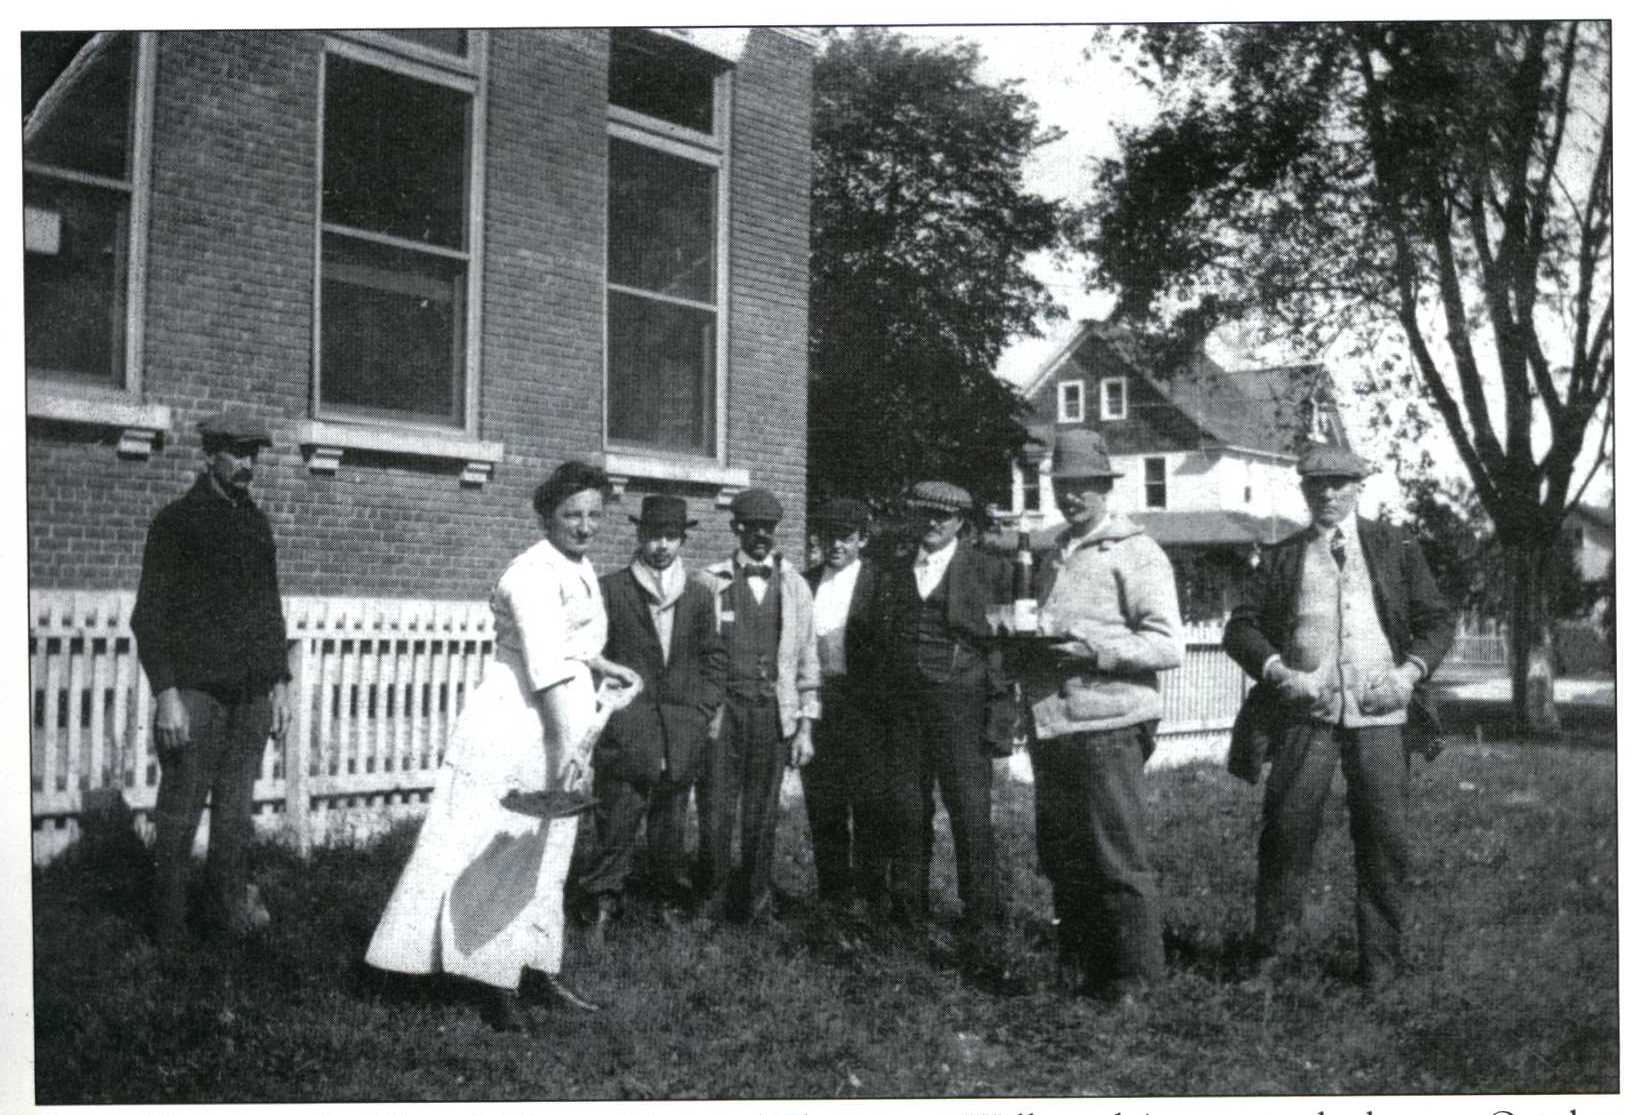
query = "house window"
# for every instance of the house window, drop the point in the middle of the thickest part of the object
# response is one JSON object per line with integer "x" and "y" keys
{"x": 1323, "y": 425}
{"x": 1071, "y": 394}
{"x": 86, "y": 108}
{"x": 1115, "y": 398}
{"x": 398, "y": 270}
{"x": 665, "y": 281}
{"x": 1157, "y": 492}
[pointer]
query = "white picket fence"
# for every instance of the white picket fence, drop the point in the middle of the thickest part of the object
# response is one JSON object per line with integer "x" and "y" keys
{"x": 377, "y": 685}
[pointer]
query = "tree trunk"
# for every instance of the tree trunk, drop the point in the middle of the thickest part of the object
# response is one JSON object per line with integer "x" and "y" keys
{"x": 1533, "y": 712}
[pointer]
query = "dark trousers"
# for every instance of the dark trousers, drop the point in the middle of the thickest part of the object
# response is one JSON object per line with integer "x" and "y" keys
{"x": 745, "y": 767}
{"x": 1297, "y": 788}
{"x": 936, "y": 738}
{"x": 1092, "y": 844}
{"x": 847, "y": 796}
{"x": 227, "y": 736}
{"x": 660, "y": 808}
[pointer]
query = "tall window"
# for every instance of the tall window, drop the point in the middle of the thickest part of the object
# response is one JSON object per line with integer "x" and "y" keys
{"x": 1071, "y": 394}
{"x": 85, "y": 107}
{"x": 1157, "y": 491}
{"x": 1115, "y": 398}
{"x": 664, "y": 272}
{"x": 397, "y": 264}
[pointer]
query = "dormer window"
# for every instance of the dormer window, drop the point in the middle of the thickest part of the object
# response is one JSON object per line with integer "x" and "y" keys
{"x": 1071, "y": 395}
{"x": 1115, "y": 398}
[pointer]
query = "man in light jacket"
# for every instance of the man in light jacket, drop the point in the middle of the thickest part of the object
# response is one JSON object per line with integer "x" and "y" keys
{"x": 1108, "y": 592}
{"x": 773, "y": 678}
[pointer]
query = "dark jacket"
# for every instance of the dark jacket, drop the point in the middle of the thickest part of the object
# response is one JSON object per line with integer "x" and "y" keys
{"x": 670, "y": 717}
{"x": 861, "y": 630}
{"x": 208, "y": 610}
{"x": 1416, "y": 620}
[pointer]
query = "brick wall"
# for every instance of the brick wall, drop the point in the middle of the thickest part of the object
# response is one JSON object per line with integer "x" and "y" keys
{"x": 229, "y": 319}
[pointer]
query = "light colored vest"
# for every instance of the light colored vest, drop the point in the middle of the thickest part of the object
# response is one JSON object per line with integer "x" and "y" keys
{"x": 1337, "y": 631}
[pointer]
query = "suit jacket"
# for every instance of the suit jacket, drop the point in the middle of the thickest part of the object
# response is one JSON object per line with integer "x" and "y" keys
{"x": 1413, "y": 615}
{"x": 670, "y": 717}
{"x": 861, "y": 631}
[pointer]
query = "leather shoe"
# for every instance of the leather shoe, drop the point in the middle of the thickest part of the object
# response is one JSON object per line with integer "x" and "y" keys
{"x": 555, "y": 992}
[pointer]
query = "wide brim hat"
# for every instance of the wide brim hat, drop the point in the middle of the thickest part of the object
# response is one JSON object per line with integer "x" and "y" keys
{"x": 938, "y": 495}
{"x": 236, "y": 425}
{"x": 1082, "y": 455}
{"x": 841, "y": 514}
{"x": 1332, "y": 460}
{"x": 756, "y": 505}
{"x": 663, "y": 512}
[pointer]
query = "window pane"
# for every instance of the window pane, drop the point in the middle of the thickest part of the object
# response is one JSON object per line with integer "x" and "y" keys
{"x": 80, "y": 101}
{"x": 392, "y": 331}
{"x": 662, "y": 78}
{"x": 663, "y": 222}
{"x": 447, "y": 39}
{"x": 396, "y": 154}
{"x": 74, "y": 279}
{"x": 662, "y": 376}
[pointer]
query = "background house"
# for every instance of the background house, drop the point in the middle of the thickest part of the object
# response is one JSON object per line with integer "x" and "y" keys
{"x": 1208, "y": 455}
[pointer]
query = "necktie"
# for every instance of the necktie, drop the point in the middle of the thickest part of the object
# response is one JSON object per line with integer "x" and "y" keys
{"x": 1337, "y": 548}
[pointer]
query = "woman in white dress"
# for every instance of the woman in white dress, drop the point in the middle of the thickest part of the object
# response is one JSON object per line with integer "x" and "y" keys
{"x": 482, "y": 895}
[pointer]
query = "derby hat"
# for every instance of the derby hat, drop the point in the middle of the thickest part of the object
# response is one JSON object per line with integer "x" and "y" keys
{"x": 663, "y": 513}
{"x": 938, "y": 495}
{"x": 756, "y": 505}
{"x": 1331, "y": 460}
{"x": 1081, "y": 454}
{"x": 235, "y": 425}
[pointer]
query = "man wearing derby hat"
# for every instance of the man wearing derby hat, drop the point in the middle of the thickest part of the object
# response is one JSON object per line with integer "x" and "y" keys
{"x": 660, "y": 624}
{"x": 846, "y": 785}
{"x": 1108, "y": 594}
{"x": 771, "y": 697}
{"x": 1339, "y": 629}
{"x": 942, "y": 674}
{"x": 211, "y": 637}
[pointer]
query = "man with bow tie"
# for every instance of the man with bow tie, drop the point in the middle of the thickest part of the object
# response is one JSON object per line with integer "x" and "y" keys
{"x": 1340, "y": 629}
{"x": 662, "y": 625}
{"x": 773, "y": 679}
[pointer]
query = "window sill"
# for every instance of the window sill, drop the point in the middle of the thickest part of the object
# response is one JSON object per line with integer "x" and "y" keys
{"x": 141, "y": 425}
{"x": 626, "y": 467}
{"x": 323, "y": 443}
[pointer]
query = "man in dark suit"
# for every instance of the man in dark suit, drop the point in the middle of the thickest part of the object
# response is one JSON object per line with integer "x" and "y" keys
{"x": 661, "y": 624}
{"x": 846, "y": 787}
{"x": 942, "y": 676}
{"x": 1341, "y": 629}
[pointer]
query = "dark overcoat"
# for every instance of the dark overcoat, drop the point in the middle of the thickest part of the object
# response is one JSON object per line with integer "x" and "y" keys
{"x": 670, "y": 717}
{"x": 1416, "y": 620}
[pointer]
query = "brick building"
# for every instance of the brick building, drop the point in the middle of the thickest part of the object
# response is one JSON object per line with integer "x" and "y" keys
{"x": 437, "y": 263}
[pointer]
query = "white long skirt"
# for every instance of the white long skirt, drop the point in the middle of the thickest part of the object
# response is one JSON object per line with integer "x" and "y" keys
{"x": 497, "y": 747}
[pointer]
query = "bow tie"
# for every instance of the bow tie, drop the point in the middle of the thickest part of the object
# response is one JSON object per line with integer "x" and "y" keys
{"x": 755, "y": 570}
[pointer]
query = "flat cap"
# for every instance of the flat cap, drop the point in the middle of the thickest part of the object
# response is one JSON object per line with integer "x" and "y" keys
{"x": 842, "y": 514}
{"x": 1081, "y": 454}
{"x": 234, "y": 424}
{"x": 756, "y": 505}
{"x": 1331, "y": 460}
{"x": 939, "y": 495}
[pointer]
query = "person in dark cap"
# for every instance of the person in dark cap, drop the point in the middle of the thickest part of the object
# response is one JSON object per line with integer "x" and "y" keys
{"x": 662, "y": 625}
{"x": 942, "y": 675}
{"x": 211, "y": 637}
{"x": 771, "y": 698}
{"x": 846, "y": 785}
{"x": 1108, "y": 593}
{"x": 1340, "y": 629}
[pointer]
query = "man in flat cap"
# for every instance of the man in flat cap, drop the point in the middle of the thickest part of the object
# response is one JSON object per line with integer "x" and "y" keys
{"x": 942, "y": 673}
{"x": 846, "y": 785}
{"x": 1340, "y": 629}
{"x": 211, "y": 637}
{"x": 771, "y": 697}
{"x": 1108, "y": 592}
{"x": 661, "y": 624}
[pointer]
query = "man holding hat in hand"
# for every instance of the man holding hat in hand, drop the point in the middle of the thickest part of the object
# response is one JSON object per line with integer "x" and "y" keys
{"x": 661, "y": 625}
{"x": 1340, "y": 629}
{"x": 771, "y": 697}
{"x": 210, "y": 634}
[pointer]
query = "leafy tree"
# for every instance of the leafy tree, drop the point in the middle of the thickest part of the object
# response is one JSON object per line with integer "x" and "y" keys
{"x": 1441, "y": 188}
{"x": 920, "y": 230}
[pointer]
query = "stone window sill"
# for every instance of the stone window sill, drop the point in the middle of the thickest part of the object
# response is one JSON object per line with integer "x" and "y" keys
{"x": 624, "y": 468}
{"x": 324, "y": 443}
{"x": 141, "y": 425}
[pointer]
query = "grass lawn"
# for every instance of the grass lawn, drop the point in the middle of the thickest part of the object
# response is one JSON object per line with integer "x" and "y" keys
{"x": 1514, "y": 937}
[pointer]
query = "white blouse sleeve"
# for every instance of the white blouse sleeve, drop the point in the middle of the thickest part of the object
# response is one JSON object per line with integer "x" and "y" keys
{"x": 534, "y": 597}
